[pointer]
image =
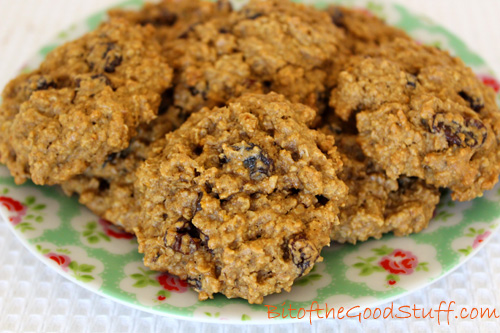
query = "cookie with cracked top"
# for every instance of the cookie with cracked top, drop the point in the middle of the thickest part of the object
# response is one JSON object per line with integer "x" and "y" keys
{"x": 422, "y": 113}
{"x": 83, "y": 103}
{"x": 266, "y": 46}
{"x": 376, "y": 204}
{"x": 240, "y": 200}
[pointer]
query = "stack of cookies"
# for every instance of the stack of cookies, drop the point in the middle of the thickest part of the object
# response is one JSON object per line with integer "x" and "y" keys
{"x": 237, "y": 144}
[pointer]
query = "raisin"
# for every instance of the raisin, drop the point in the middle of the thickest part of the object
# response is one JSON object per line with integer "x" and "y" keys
{"x": 476, "y": 125}
{"x": 167, "y": 99}
{"x": 186, "y": 31}
{"x": 113, "y": 157}
{"x": 338, "y": 18}
{"x": 185, "y": 234}
{"x": 322, "y": 200}
{"x": 112, "y": 59}
{"x": 475, "y": 103}
{"x": 468, "y": 133}
{"x": 195, "y": 283}
{"x": 156, "y": 257}
{"x": 303, "y": 253}
{"x": 103, "y": 185}
{"x": 198, "y": 150}
{"x": 258, "y": 163}
{"x": 164, "y": 18}
{"x": 249, "y": 14}
{"x": 411, "y": 81}
{"x": 112, "y": 64}
{"x": 198, "y": 202}
{"x": 101, "y": 77}
{"x": 44, "y": 83}
{"x": 193, "y": 91}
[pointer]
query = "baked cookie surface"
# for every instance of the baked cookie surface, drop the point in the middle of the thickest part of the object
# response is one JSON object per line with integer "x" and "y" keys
{"x": 83, "y": 103}
{"x": 422, "y": 113}
{"x": 377, "y": 204}
{"x": 266, "y": 46}
{"x": 240, "y": 199}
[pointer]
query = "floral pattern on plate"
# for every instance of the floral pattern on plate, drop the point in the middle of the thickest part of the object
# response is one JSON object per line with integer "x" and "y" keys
{"x": 152, "y": 288}
{"x": 472, "y": 237}
{"x": 28, "y": 213}
{"x": 74, "y": 261}
{"x": 397, "y": 263}
{"x": 96, "y": 232}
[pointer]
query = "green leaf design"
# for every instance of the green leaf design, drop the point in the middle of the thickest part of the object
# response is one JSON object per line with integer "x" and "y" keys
{"x": 392, "y": 277}
{"x": 137, "y": 276}
{"x": 443, "y": 215}
{"x": 87, "y": 233}
{"x": 39, "y": 207}
{"x": 93, "y": 239}
{"x": 30, "y": 200}
{"x": 378, "y": 269}
{"x": 85, "y": 278}
{"x": 84, "y": 268}
{"x": 39, "y": 219}
{"x": 359, "y": 265}
{"x": 5, "y": 191}
{"x": 466, "y": 251}
{"x": 73, "y": 266}
{"x": 382, "y": 251}
{"x": 217, "y": 314}
{"x": 104, "y": 236}
{"x": 141, "y": 283}
{"x": 24, "y": 226}
{"x": 154, "y": 283}
{"x": 368, "y": 270}
{"x": 208, "y": 314}
{"x": 245, "y": 317}
{"x": 91, "y": 225}
{"x": 164, "y": 293}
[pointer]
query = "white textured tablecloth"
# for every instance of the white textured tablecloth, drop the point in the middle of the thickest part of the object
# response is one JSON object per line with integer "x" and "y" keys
{"x": 35, "y": 298}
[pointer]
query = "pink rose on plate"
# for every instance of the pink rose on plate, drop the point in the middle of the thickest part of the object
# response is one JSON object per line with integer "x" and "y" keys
{"x": 172, "y": 283}
{"x": 399, "y": 262}
{"x": 113, "y": 231}
{"x": 480, "y": 238}
{"x": 15, "y": 207}
{"x": 490, "y": 81}
{"x": 61, "y": 259}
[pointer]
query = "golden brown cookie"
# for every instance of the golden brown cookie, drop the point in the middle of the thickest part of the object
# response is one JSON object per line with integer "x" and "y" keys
{"x": 376, "y": 204}
{"x": 241, "y": 199}
{"x": 362, "y": 29}
{"x": 173, "y": 19}
{"x": 108, "y": 189}
{"x": 83, "y": 103}
{"x": 422, "y": 113}
{"x": 266, "y": 46}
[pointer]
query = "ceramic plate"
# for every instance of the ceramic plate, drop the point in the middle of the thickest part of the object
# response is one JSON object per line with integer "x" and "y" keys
{"x": 103, "y": 259}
